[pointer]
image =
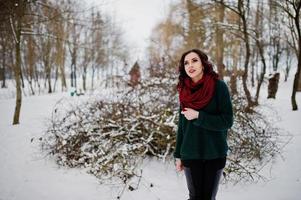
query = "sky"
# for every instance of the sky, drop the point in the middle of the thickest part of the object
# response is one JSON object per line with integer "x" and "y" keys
{"x": 137, "y": 18}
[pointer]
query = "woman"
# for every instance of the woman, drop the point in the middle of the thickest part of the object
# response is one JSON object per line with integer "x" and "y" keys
{"x": 205, "y": 117}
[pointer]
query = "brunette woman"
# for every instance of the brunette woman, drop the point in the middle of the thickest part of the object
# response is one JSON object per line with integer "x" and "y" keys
{"x": 204, "y": 119}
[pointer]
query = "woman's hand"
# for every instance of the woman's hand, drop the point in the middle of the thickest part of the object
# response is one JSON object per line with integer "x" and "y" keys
{"x": 190, "y": 114}
{"x": 179, "y": 165}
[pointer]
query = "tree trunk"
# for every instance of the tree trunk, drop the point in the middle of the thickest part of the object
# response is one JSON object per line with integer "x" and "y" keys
{"x": 84, "y": 78}
{"x": 73, "y": 64}
{"x": 2, "y": 75}
{"x": 31, "y": 62}
{"x": 287, "y": 70}
{"x": 60, "y": 53}
{"x": 245, "y": 74}
{"x": 56, "y": 77}
{"x": 273, "y": 85}
{"x": 62, "y": 73}
{"x": 17, "y": 67}
{"x": 31, "y": 87}
{"x": 288, "y": 64}
{"x": 63, "y": 77}
{"x": 21, "y": 75}
{"x": 73, "y": 73}
{"x": 253, "y": 63}
{"x": 233, "y": 78}
{"x": 261, "y": 77}
{"x": 71, "y": 76}
{"x": 36, "y": 78}
{"x": 3, "y": 85}
{"x": 260, "y": 47}
{"x": 220, "y": 41}
{"x": 196, "y": 32}
{"x": 296, "y": 80}
{"x": 60, "y": 62}
{"x": 247, "y": 58}
{"x": 299, "y": 85}
{"x": 276, "y": 56}
{"x": 93, "y": 74}
{"x": 49, "y": 78}
{"x": 297, "y": 75}
{"x": 48, "y": 64}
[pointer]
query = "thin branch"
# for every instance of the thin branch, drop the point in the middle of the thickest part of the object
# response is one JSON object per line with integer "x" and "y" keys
{"x": 13, "y": 29}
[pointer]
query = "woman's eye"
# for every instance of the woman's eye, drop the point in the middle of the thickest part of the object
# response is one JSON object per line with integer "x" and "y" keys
{"x": 194, "y": 60}
{"x": 185, "y": 63}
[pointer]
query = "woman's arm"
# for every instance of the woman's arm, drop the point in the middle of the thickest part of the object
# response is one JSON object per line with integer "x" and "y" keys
{"x": 223, "y": 120}
{"x": 179, "y": 137}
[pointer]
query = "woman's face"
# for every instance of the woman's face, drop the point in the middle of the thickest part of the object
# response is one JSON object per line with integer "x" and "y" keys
{"x": 193, "y": 66}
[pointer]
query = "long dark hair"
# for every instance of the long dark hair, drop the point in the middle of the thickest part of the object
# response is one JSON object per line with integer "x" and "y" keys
{"x": 208, "y": 67}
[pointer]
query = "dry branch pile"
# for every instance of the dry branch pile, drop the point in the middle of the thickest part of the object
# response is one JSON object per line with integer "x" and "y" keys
{"x": 110, "y": 137}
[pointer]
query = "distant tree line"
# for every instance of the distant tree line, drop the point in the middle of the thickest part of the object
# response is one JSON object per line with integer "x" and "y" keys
{"x": 44, "y": 42}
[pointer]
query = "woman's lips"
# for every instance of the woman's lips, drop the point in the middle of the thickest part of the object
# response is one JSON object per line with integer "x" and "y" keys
{"x": 191, "y": 71}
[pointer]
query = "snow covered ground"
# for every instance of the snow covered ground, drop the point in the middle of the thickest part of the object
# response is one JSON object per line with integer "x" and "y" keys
{"x": 26, "y": 174}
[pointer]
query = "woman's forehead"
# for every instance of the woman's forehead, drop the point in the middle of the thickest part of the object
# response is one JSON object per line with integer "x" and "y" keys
{"x": 191, "y": 55}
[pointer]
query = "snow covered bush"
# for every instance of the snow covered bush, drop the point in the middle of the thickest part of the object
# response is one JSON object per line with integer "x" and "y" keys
{"x": 253, "y": 141}
{"x": 111, "y": 136}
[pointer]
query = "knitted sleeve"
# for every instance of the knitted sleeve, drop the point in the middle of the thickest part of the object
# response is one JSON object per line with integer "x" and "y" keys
{"x": 179, "y": 137}
{"x": 224, "y": 119}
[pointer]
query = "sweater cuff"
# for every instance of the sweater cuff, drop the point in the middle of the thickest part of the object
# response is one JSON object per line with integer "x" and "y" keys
{"x": 198, "y": 121}
{"x": 176, "y": 155}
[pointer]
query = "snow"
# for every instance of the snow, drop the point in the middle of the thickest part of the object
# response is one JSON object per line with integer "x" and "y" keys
{"x": 27, "y": 174}
{"x": 284, "y": 176}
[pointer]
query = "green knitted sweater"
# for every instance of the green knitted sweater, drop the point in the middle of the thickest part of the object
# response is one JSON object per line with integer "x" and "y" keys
{"x": 206, "y": 136}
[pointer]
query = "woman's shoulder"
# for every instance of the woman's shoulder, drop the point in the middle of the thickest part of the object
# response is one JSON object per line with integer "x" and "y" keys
{"x": 222, "y": 88}
{"x": 221, "y": 84}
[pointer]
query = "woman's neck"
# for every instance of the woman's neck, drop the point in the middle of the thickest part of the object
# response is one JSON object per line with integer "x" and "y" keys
{"x": 196, "y": 79}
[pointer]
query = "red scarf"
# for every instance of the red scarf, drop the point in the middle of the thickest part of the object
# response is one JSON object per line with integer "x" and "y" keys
{"x": 197, "y": 95}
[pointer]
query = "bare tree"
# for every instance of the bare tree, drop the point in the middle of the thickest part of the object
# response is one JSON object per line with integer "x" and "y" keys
{"x": 86, "y": 59}
{"x": 60, "y": 33}
{"x": 259, "y": 40}
{"x": 5, "y": 54}
{"x": 219, "y": 33}
{"x": 47, "y": 60}
{"x": 99, "y": 43}
{"x": 293, "y": 9}
{"x": 275, "y": 35}
{"x": 30, "y": 60}
{"x": 196, "y": 32}
{"x": 16, "y": 12}
{"x": 242, "y": 9}
{"x": 73, "y": 46}
{"x": 288, "y": 58}
{"x": 168, "y": 40}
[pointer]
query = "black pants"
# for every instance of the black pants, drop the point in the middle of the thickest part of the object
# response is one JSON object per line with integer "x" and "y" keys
{"x": 203, "y": 177}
